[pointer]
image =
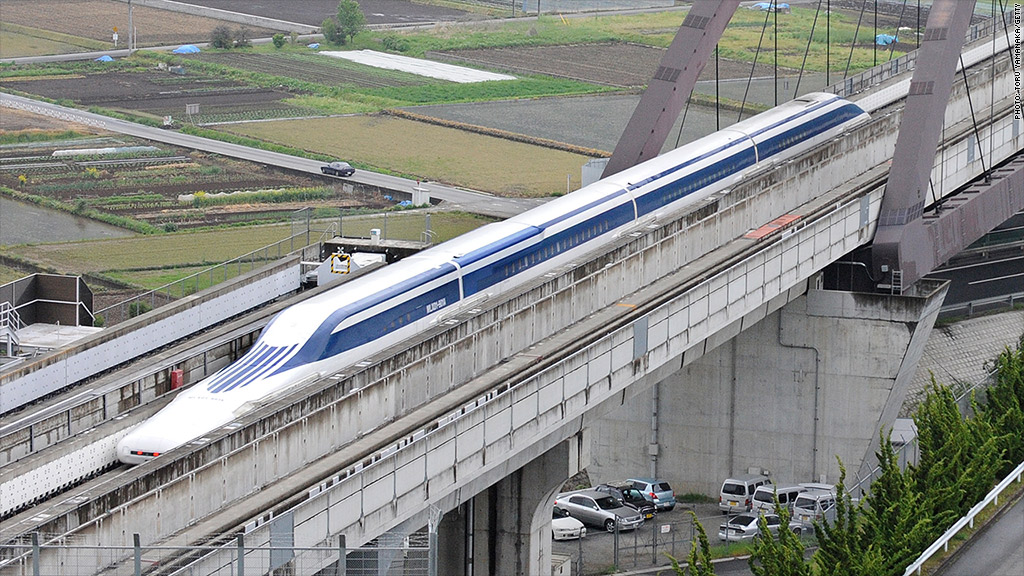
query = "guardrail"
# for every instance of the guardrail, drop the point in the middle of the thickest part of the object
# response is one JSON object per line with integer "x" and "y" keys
{"x": 983, "y": 305}
{"x": 968, "y": 520}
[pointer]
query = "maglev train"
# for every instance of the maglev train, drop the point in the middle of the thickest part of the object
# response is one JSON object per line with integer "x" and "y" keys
{"x": 342, "y": 326}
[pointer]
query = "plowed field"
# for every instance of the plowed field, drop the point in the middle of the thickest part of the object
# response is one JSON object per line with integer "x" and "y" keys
{"x": 96, "y": 19}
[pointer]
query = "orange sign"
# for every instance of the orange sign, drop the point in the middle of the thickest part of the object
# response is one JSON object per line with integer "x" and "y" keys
{"x": 115, "y": 28}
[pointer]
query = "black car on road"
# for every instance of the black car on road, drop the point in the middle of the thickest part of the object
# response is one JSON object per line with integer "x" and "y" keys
{"x": 338, "y": 169}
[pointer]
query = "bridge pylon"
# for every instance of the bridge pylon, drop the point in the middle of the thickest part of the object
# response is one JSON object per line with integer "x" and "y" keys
{"x": 910, "y": 242}
{"x": 670, "y": 88}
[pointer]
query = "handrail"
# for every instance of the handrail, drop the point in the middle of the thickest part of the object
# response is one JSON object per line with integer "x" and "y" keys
{"x": 968, "y": 520}
{"x": 9, "y": 317}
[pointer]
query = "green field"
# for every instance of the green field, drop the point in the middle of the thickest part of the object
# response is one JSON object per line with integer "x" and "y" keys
{"x": 152, "y": 261}
{"x": 22, "y": 41}
{"x": 458, "y": 157}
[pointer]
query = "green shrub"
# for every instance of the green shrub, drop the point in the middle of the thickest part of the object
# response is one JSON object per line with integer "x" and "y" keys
{"x": 137, "y": 308}
{"x": 395, "y": 43}
{"x": 221, "y": 37}
{"x": 278, "y": 40}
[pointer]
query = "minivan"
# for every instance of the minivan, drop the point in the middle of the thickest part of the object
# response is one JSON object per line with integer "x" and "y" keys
{"x": 764, "y": 497}
{"x": 737, "y": 492}
{"x": 813, "y": 506}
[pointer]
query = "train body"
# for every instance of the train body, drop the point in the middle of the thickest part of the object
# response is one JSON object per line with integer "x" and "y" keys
{"x": 342, "y": 326}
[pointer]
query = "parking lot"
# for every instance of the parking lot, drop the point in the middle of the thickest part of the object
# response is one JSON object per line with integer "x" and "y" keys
{"x": 669, "y": 533}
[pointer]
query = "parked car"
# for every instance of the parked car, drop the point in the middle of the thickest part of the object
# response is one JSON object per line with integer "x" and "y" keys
{"x": 658, "y": 492}
{"x": 338, "y": 169}
{"x": 625, "y": 492}
{"x": 564, "y": 526}
{"x": 765, "y": 495}
{"x": 737, "y": 492}
{"x": 745, "y": 527}
{"x": 813, "y": 506}
{"x": 599, "y": 509}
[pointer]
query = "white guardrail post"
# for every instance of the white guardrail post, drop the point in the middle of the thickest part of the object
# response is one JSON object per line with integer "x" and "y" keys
{"x": 943, "y": 541}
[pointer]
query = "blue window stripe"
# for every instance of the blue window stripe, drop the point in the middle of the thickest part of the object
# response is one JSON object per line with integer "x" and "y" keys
{"x": 507, "y": 241}
{"x": 583, "y": 208}
{"x": 507, "y": 267}
{"x": 660, "y": 197}
{"x": 325, "y": 343}
{"x": 395, "y": 317}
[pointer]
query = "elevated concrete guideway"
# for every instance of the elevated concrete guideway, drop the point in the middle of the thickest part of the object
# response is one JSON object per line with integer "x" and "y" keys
{"x": 439, "y": 421}
{"x": 672, "y": 307}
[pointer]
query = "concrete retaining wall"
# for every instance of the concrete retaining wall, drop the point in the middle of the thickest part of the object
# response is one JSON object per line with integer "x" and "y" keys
{"x": 144, "y": 333}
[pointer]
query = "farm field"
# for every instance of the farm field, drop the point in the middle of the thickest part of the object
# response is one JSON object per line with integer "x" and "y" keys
{"x": 96, "y": 20}
{"x": 310, "y": 67}
{"x": 313, "y": 12}
{"x": 429, "y": 152}
{"x": 152, "y": 261}
{"x": 151, "y": 187}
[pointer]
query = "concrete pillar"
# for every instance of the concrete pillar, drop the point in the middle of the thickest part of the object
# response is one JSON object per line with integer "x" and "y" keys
{"x": 506, "y": 530}
{"x": 812, "y": 381}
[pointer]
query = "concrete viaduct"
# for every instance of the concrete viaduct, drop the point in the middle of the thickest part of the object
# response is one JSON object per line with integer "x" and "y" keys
{"x": 716, "y": 332}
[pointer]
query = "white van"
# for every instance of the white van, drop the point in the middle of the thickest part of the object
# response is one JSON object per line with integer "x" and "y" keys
{"x": 764, "y": 497}
{"x": 813, "y": 506}
{"x": 737, "y": 492}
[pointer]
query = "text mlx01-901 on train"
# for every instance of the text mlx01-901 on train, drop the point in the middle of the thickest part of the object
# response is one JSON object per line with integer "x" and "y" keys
{"x": 340, "y": 327}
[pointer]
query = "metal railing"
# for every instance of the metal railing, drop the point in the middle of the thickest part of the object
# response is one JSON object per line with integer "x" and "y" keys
{"x": 213, "y": 275}
{"x": 966, "y": 521}
{"x": 10, "y": 322}
{"x": 410, "y": 555}
{"x": 1007, "y": 301}
{"x": 883, "y": 71}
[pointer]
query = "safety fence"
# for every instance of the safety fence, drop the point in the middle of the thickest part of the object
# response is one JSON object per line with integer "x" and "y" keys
{"x": 407, "y": 555}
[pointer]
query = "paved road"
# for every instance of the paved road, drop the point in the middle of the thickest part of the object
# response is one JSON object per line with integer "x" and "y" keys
{"x": 998, "y": 551}
{"x": 469, "y": 201}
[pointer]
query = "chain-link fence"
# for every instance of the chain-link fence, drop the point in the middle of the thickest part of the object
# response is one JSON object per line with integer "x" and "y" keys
{"x": 388, "y": 555}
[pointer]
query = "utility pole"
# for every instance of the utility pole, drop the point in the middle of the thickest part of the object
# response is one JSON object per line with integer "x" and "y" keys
{"x": 131, "y": 29}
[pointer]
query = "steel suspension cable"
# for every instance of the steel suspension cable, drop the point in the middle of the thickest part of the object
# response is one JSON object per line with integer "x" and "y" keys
{"x": 807, "y": 51}
{"x": 764, "y": 27}
{"x": 856, "y": 33}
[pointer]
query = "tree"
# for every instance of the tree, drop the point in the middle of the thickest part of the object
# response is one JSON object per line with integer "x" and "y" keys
{"x": 893, "y": 523}
{"x": 840, "y": 551}
{"x": 278, "y": 40}
{"x": 242, "y": 38}
{"x": 221, "y": 37}
{"x": 350, "y": 19}
{"x": 1004, "y": 408}
{"x": 781, "y": 554}
{"x": 331, "y": 32}
{"x": 960, "y": 458}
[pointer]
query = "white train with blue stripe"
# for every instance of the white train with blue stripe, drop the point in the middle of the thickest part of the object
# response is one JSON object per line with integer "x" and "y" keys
{"x": 340, "y": 327}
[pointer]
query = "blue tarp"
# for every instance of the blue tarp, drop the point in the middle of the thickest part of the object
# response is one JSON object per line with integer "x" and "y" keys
{"x": 186, "y": 49}
{"x": 314, "y": 45}
{"x": 885, "y": 39}
{"x": 770, "y": 6}
{"x": 104, "y": 58}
